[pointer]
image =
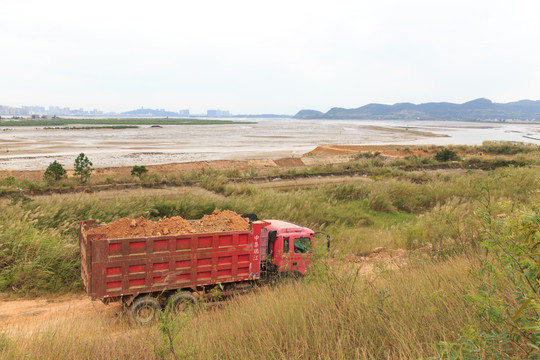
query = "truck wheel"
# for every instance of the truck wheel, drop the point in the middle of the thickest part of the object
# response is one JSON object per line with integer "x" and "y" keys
{"x": 181, "y": 301}
{"x": 145, "y": 311}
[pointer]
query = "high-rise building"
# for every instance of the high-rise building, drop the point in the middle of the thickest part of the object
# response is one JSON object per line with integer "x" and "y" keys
{"x": 217, "y": 113}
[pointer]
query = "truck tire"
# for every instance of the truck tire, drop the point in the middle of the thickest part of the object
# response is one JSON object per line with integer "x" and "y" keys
{"x": 181, "y": 301}
{"x": 144, "y": 311}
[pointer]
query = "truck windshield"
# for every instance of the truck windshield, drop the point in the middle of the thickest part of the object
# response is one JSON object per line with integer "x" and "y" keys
{"x": 302, "y": 245}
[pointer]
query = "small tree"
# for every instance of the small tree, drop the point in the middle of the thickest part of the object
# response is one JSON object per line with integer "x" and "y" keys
{"x": 55, "y": 171}
{"x": 138, "y": 171}
{"x": 446, "y": 155}
{"x": 83, "y": 167}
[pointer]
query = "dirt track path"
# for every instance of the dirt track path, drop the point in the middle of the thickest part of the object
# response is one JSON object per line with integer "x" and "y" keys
{"x": 25, "y": 317}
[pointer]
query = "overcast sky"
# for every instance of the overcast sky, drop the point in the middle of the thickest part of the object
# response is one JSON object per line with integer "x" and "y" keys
{"x": 266, "y": 57}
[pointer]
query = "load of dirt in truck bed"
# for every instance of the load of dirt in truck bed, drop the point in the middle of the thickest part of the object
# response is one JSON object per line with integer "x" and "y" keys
{"x": 126, "y": 228}
{"x": 225, "y": 220}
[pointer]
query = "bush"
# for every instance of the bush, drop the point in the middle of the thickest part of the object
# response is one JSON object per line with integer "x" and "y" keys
{"x": 506, "y": 298}
{"x": 9, "y": 181}
{"x": 379, "y": 200}
{"x": 55, "y": 171}
{"x": 138, "y": 171}
{"x": 446, "y": 155}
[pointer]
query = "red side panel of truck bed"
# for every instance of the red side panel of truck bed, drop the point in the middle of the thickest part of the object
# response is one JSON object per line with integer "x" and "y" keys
{"x": 131, "y": 266}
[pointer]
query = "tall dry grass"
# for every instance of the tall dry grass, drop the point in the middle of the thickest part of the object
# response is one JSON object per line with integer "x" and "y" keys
{"x": 435, "y": 307}
{"x": 38, "y": 236}
{"x": 334, "y": 315}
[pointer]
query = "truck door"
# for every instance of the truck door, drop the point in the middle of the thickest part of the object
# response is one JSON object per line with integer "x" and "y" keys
{"x": 293, "y": 253}
{"x": 300, "y": 254}
{"x": 282, "y": 253}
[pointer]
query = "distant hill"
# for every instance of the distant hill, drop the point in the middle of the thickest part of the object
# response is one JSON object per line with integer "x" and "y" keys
{"x": 479, "y": 109}
{"x": 150, "y": 112}
{"x": 309, "y": 114}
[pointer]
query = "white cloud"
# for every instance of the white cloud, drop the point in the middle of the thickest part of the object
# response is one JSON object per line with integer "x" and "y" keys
{"x": 278, "y": 56}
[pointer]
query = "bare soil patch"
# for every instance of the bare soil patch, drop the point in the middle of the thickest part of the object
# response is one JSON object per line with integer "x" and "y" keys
{"x": 289, "y": 162}
{"x": 384, "y": 259}
{"x": 24, "y": 316}
{"x": 384, "y": 150}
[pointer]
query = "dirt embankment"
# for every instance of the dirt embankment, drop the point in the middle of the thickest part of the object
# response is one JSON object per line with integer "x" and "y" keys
{"x": 383, "y": 150}
{"x": 241, "y": 165}
{"x": 395, "y": 151}
{"x": 218, "y": 221}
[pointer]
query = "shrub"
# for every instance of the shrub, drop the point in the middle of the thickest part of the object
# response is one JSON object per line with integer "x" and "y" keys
{"x": 55, "y": 171}
{"x": 139, "y": 171}
{"x": 506, "y": 298}
{"x": 446, "y": 155}
{"x": 379, "y": 200}
{"x": 9, "y": 181}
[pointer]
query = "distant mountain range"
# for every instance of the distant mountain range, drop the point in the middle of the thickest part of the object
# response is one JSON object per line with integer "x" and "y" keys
{"x": 479, "y": 109}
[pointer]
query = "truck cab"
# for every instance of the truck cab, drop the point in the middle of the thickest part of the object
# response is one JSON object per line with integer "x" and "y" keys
{"x": 286, "y": 247}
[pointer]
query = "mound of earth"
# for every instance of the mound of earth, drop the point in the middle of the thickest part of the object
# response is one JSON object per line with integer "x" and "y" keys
{"x": 141, "y": 227}
{"x": 225, "y": 220}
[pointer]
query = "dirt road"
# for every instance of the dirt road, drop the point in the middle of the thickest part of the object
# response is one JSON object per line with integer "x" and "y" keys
{"x": 26, "y": 316}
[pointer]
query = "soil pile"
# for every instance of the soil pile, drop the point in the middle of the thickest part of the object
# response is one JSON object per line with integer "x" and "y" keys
{"x": 225, "y": 220}
{"x": 142, "y": 227}
{"x": 126, "y": 228}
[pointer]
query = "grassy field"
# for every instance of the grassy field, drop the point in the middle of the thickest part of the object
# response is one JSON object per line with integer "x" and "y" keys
{"x": 116, "y": 121}
{"x": 473, "y": 294}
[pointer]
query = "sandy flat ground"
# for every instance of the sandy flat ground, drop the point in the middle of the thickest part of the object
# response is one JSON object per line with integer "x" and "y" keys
{"x": 33, "y": 148}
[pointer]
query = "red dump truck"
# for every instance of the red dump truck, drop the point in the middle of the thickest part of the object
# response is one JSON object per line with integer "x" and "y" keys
{"x": 148, "y": 273}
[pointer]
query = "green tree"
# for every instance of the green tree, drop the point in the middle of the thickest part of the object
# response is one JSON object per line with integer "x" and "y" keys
{"x": 55, "y": 171}
{"x": 138, "y": 171}
{"x": 83, "y": 167}
{"x": 446, "y": 155}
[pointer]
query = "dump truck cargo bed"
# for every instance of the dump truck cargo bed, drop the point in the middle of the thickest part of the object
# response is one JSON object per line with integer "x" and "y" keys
{"x": 113, "y": 268}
